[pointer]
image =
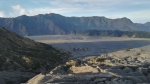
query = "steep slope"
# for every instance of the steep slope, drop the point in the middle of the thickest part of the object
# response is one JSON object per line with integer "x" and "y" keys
{"x": 58, "y": 24}
{"x": 21, "y": 54}
{"x": 26, "y": 25}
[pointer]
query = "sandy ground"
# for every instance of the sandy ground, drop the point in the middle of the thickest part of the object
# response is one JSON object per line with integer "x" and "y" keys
{"x": 95, "y": 45}
{"x": 52, "y": 39}
{"x": 130, "y": 53}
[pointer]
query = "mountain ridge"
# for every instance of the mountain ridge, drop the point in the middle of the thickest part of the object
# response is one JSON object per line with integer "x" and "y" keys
{"x": 56, "y": 24}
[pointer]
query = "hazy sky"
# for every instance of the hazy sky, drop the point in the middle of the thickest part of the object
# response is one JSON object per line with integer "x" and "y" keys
{"x": 136, "y": 10}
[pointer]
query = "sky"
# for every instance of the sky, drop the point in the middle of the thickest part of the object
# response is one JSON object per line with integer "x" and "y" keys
{"x": 136, "y": 10}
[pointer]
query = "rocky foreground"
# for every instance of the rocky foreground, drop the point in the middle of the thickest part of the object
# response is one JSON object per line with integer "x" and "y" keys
{"x": 130, "y": 66}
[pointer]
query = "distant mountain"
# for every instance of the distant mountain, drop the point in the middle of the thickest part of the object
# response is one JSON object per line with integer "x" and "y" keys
{"x": 22, "y": 54}
{"x": 117, "y": 33}
{"x": 53, "y": 24}
{"x": 143, "y": 27}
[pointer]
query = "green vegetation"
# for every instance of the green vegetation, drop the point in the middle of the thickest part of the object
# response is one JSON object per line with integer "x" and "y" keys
{"x": 138, "y": 53}
{"x": 22, "y": 54}
{"x": 128, "y": 49}
{"x": 66, "y": 68}
{"x": 100, "y": 59}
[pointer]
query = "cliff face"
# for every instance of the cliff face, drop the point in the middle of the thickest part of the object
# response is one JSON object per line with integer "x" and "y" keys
{"x": 36, "y": 25}
{"x": 57, "y": 24}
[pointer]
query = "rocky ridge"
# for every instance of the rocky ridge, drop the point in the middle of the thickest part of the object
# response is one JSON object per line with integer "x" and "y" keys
{"x": 55, "y": 24}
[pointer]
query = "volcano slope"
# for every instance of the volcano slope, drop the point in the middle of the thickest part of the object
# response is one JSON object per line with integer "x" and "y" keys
{"x": 21, "y": 58}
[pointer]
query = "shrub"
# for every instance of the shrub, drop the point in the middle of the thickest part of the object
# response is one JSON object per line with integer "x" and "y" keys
{"x": 100, "y": 59}
{"x": 66, "y": 67}
{"x": 128, "y": 49}
{"x": 138, "y": 53}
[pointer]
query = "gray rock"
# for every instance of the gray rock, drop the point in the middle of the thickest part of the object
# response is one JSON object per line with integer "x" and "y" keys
{"x": 128, "y": 82}
{"x": 114, "y": 82}
{"x": 127, "y": 70}
{"x": 2, "y": 81}
{"x": 142, "y": 70}
{"x": 99, "y": 80}
{"x": 148, "y": 77}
